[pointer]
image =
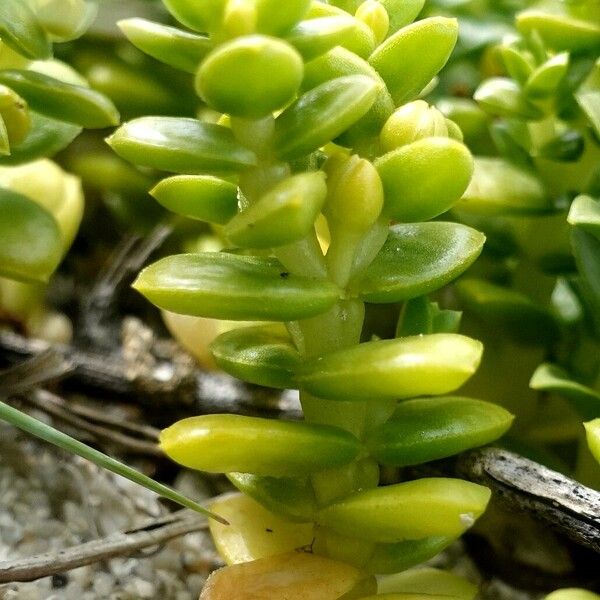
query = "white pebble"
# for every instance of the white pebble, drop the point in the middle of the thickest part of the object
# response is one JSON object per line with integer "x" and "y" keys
{"x": 140, "y": 587}
{"x": 103, "y": 584}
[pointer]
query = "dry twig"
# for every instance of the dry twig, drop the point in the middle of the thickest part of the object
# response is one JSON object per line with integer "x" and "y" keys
{"x": 205, "y": 393}
{"x": 560, "y": 502}
{"x": 99, "y": 322}
{"x": 59, "y": 409}
{"x": 153, "y": 533}
{"x": 557, "y": 501}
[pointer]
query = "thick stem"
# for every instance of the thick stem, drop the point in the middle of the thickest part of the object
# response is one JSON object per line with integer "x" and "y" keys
{"x": 370, "y": 245}
{"x": 338, "y": 328}
{"x": 303, "y": 257}
{"x": 341, "y": 254}
{"x": 255, "y": 134}
{"x": 542, "y": 131}
{"x": 349, "y": 415}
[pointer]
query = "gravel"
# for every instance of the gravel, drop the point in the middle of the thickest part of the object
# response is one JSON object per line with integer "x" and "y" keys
{"x": 50, "y": 500}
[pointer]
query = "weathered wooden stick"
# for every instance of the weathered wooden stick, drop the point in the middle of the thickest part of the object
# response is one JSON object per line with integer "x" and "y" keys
{"x": 524, "y": 485}
{"x": 153, "y": 533}
{"x": 558, "y": 501}
{"x": 59, "y": 409}
{"x": 199, "y": 390}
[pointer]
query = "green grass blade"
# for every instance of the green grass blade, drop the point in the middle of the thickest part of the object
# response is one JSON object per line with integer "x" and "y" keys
{"x": 41, "y": 430}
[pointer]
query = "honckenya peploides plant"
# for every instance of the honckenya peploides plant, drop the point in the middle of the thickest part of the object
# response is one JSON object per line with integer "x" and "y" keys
{"x": 534, "y": 300}
{"x": 44, "y": 104}
{"x": 327, "y": 163}
{"x": 321, "y": 175}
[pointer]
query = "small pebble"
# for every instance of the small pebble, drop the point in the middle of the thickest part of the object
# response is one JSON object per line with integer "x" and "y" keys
{"x": 103, "y": 584}
{"x": 73, "y": 591}
{"x": 195, "y": 583}
{"x": 140, "y": 588}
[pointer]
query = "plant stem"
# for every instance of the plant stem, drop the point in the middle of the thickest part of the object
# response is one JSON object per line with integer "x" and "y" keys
{"x": 338, "y": 328}
{"x": 303, "y": 257}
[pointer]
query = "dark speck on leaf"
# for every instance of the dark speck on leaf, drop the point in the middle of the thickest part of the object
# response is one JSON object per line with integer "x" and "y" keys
{"x": 284, "y": 275}
{"x": 268, "y": 530}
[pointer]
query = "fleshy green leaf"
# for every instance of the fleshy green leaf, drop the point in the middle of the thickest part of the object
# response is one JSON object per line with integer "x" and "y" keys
{"x": 544, "y": 81}
{"x": 62, "y": 101}
{"x": 45, "y": 138}
{"x": 314, "y": 37}
{"x": 410, "y": 510}
{"x": 292, "y": 498}
{"x": 250, "y": 76}
{"x": 4, "y": 141}
{"x": 373, "y": 14}
{"x": 322, "y": 114}
{"x": 340, "y": 62}
{"x": 180, "y": 145}
{"x": 592, "y": 432}
{"x": 517, "y": 63}
{"x": 21, "y": 31}
{"x": 500, "y": 188}
{"x": 471, "y": 119}
{"x": 585, "y": 213}
{"x": 261, "y": 355}
{"x": 199, "y": 197}
{"x": 572, "y": 594}
{"x": 413, "y": 596}
{"x": 424, "y": 179}
{"x": 235, "y": 443}
{"x": 419, "y": 258}
{"x": 513, "y": 142}
{"x": 254, "y": 532}
{"x": 172, "y": 46}
{"x": 551, "y": 378}
{"x": 202, "y": 16}
{"x": 360, "y": 40}
{"x": 323, "y": 8}
{"x": 428, "y": 581}
{"x": 65, "y": 20}
{"x": 393, "y": 558}
{"x": 66, "y": 442}
{"x": 444, "y": 320}
{"x": 392, "y": 369}
{"x": 15, "y": 118}
{"x": 271, "y": 19}
{"x": 413, "y": 56}
{"x": 586, "y": 248}
{"x": 285, "y": 214}
{"x": 228, "y": 286}
{"x": 566, "y": 147}
{"x": 402, "y": 12}
{"x": 512, "y": 313}
{"x": 558, "y": 29}
{"x": 412, "y": 122}
{"x": 502, "y": 97}
{"x": 415, "y": 317}
{"x": 31, "y": 244}
{"x": 432, "y": 428}
{"x": 588, "y": 97}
